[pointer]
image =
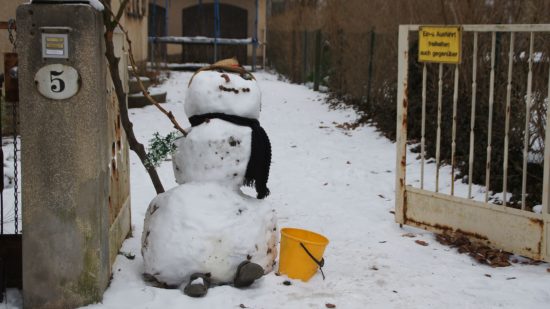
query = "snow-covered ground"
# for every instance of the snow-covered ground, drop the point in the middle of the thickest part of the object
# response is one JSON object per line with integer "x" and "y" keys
{"x": 339, "y": 183}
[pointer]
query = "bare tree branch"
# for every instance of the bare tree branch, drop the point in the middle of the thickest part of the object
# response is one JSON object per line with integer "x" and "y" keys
{"x": 144, "y": 91}
{"x": 118, "y": 16}
{"x": 113, "y": 61}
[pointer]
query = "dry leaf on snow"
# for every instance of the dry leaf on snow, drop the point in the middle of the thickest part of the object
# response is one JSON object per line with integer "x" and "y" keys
{"x": 421, "y": 242}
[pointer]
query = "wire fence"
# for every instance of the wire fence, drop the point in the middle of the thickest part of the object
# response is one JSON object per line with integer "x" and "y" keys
{"x": 359, "y": 67}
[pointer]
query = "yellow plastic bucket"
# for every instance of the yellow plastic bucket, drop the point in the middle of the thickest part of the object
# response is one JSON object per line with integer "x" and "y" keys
{"x": 301, "y": 253}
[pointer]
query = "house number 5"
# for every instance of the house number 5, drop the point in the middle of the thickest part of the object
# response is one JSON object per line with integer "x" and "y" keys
{"x": 58, "y": 85}
{"x": 57, "y": 81}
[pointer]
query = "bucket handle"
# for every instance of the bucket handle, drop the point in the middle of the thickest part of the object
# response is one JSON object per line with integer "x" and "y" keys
{"x": 320, "y": 263}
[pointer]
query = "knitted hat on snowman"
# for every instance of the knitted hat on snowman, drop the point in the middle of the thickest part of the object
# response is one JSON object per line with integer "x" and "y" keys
{"x": 227, "y": 91}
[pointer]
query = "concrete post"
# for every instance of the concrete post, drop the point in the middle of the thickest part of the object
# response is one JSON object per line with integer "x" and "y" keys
{"x": 66, "y": 154}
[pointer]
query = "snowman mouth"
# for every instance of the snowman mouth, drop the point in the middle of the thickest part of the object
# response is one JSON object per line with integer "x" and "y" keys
{"x": 235, "y": 90}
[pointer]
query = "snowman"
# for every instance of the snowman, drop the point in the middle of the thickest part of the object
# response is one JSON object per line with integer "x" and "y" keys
{"x": 206, "y": 231}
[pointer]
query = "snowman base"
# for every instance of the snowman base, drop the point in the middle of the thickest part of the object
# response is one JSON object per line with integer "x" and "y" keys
{"x": 206, "y": 228}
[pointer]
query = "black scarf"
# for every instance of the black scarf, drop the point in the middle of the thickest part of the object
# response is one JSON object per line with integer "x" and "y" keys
{"x": 257, "y": 170}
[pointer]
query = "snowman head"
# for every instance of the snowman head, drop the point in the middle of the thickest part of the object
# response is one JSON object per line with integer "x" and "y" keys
{"x": 223, "y": 87}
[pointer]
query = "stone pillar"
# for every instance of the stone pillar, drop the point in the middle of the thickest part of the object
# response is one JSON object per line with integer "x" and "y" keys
{"x": 66, "y": 154}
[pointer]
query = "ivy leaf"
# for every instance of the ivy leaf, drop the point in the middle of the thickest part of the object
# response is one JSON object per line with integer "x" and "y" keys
{"x": 160, "y": 147}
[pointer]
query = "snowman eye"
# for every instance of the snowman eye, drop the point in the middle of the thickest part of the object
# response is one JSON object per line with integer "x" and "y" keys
{"x": 226, "y": 77}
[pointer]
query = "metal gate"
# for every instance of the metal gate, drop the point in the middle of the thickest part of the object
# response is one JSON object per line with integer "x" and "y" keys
{"x": 431, "y": 198}
{"x": 10, "y": 219}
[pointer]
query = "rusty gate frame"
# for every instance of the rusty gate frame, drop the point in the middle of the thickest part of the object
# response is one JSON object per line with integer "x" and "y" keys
{"x": 10, "y": 243}
{"x": 514, "y": 230}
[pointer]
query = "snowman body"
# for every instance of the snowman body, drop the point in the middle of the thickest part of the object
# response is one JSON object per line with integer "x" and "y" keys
{"x": 215, "y": 151}
{"x": 206, "y": 224}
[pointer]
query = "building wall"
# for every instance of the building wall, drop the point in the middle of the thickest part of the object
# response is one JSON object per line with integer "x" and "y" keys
{"x": 135, "y": 22}
{"x": 175, "y": 8}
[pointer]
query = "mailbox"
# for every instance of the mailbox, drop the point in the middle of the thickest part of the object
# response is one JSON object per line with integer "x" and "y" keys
{"x": 55, "y": 42}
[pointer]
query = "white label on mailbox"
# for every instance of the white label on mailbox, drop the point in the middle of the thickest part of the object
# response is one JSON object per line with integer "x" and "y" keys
{"x": 57, "y": 81}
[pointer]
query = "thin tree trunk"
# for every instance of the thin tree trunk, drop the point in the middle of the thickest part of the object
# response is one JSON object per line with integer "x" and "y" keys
{"x": 113, "y": 61}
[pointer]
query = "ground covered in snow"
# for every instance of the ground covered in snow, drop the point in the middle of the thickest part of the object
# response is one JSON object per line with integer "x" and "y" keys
{"x": 340, "y": 183}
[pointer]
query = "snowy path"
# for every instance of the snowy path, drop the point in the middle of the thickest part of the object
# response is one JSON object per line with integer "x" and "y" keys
{"x": 339, "y": 183}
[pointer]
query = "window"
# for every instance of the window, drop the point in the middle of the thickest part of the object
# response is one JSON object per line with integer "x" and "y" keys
{"x": 137, "y": 8}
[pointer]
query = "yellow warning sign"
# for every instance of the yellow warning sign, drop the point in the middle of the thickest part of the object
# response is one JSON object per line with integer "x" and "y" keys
{"x": 440, "y": 44}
